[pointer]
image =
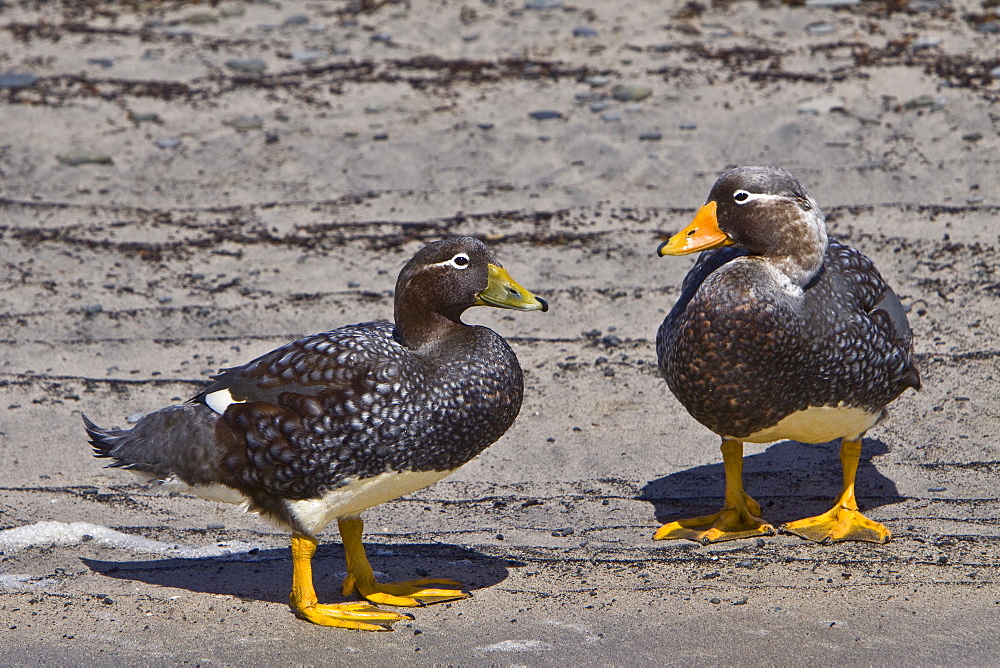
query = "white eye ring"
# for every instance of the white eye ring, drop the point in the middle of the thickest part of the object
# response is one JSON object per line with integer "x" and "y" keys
{"x": 460, "y": 261}
{"x": 741, "y": 197}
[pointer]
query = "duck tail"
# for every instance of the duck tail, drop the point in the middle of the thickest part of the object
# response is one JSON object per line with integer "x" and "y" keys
{"x": 176, "y": 441}
{"x": 105, "y": 441}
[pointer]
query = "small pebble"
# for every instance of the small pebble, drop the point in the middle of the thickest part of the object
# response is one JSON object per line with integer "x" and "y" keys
{"x": 215, "y": 526}
{"x": 740, "y": 601}
{"x": 201, "y": 18}
{"x": 919, "y": 102}
{"x": 995, "y": 72}
{"x": 562, "y": 533}
{"x": 598, "y": 106}
{"x": 485, "y": 126}
{"x": 145, "y": 117}
{"x": 308, "y": 56}
{"x": 924, "y": 43}
{"x": 380, "y": 136}
{"x": 650, "y": 136}
{"x": 172, "y": 142}
{"x": 688, "y": 125}
{"x": 101, "y": 62}
{"x": 820, "y": 28}
{"x": 628, "y": 93}
{"x": 107, "y": 600}
{"x": 611, "y": 117}
{"x": 545, "y": 114}
{"x": 75, "y": 158}
{"x": 942, "y": 559}
{"x": 832, "y": 3}
{"x": 820, "y": 105}
{"x": 714, "y": 601}
{"x": 744, "y": 563}
{"x": 543, "y": 4}
{"x": 609, "y": 372}
{"x": 246, "y": 123}
{"x": 972, "y": 136}
{"x": 761, "y": 542}
{"x": 937, "y": 489}
{"x": 22, "y": 80}
{"x": 296, "y": 20}
{"x": 975, "y": 199}
{"x": 384, "y": 37}
{"x": 470, "y": 37}
{"x": 597, "y": 81}
{"x": 584, "y": 31}
{"x": 247, "y": 65}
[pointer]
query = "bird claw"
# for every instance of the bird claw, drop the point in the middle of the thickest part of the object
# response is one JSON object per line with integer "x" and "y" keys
{"x": 838, "y": 524}
{"x": 412, "y": 593}
{"x": 361, "y": 616}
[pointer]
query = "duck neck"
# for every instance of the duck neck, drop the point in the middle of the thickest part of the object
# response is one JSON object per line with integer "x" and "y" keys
{"x": 800, "y": 255}
{"x": 417, "y": 328}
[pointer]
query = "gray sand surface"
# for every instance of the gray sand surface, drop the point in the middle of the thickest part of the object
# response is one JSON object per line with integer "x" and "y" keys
{"x": 230, "y": 211}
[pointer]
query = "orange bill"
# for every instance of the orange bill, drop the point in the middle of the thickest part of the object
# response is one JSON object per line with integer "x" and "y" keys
{"x": 701, "y": 234}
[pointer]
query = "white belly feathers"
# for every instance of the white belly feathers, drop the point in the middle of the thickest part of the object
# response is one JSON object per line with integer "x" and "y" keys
{"x": 346, "y": 501}
{"x": 817, "y": 424}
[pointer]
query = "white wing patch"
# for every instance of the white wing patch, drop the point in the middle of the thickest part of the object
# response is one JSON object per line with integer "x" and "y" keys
{"x": 220, "y": 400}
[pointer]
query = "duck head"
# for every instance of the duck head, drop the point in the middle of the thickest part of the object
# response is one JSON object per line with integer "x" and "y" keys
{"x": 444, "y": 279}
{"x": 764, "y": 210}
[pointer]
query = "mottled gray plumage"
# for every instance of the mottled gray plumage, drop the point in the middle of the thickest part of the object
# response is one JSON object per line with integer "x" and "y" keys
{"x": 427, "y": 393}
{"x": 745, "y": 346}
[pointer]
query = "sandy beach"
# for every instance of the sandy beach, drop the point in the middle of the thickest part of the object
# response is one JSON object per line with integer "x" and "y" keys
{"x": 186, "y": 186}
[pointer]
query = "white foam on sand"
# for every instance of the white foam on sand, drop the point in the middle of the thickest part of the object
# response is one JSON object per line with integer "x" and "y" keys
{"x": 62, "y": 534}
{"x": 11, "y": 581}
{"x": 516, "y": 646}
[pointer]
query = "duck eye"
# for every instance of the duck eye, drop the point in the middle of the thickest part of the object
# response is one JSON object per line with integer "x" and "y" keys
{"x": 461, "y": 261}
{"x": 741, "y": 196}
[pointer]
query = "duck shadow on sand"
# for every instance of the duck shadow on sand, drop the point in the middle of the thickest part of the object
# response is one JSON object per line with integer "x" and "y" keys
{"x": 790, "y": 480}
{"x": 266, "y": 575}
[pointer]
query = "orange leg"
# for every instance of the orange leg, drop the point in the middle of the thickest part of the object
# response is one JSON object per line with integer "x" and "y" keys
{"x": 360, "y": 575}
{"x": 739, "y": 518}
{"x": 844, "y": 521}
{"x": 361, "y": 616}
